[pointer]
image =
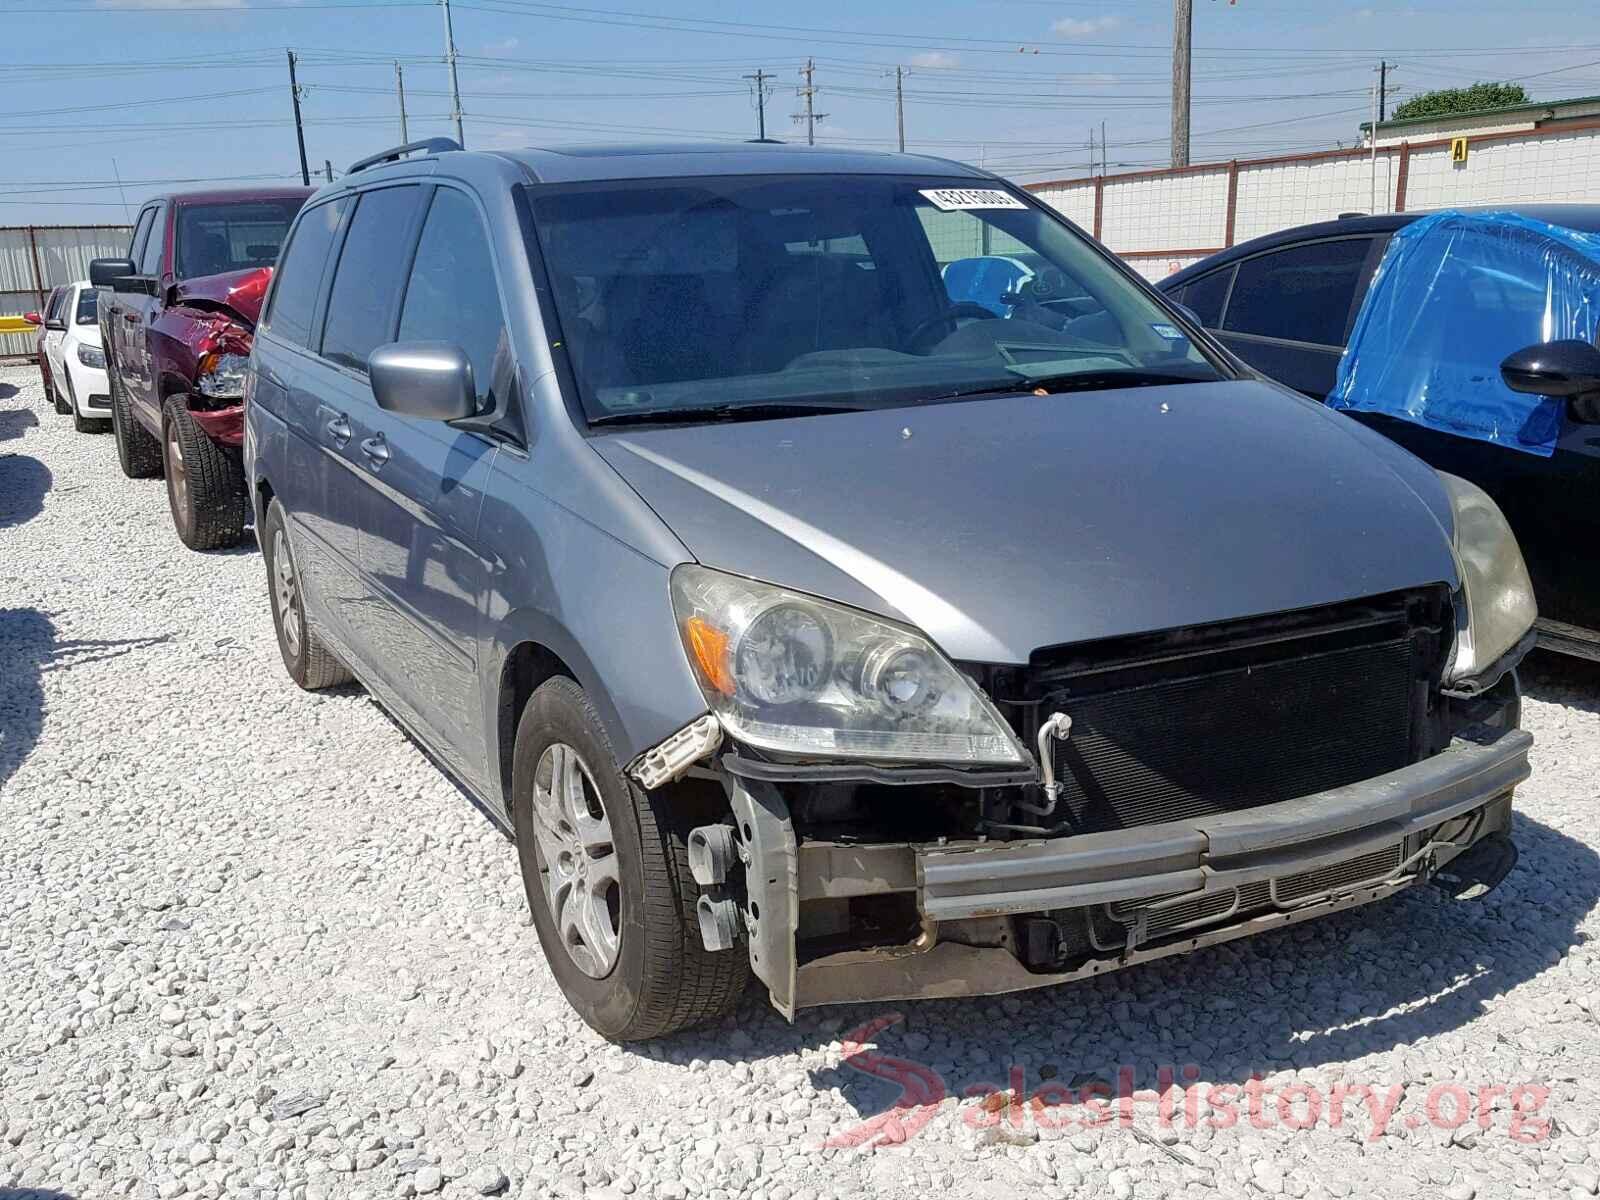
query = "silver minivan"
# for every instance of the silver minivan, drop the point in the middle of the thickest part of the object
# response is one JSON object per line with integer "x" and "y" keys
{"x": 837, "y": 568}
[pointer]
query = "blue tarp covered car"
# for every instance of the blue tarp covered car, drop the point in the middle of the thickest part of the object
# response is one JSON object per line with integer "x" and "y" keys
{"x": 1454, "y": 295}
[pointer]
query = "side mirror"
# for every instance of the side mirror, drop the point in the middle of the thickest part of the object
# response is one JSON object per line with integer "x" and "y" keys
{"x": 1187, "y": 311}
{"x": 1566, "y": 368}
{"x": 104, "y": 272}
{"x": 428, "y": 380}
{"x": 33, "y": 318}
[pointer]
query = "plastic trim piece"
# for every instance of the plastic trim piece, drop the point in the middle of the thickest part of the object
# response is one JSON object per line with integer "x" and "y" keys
{"x": 1477, "y": 685}
{"x": 772, "y": 772}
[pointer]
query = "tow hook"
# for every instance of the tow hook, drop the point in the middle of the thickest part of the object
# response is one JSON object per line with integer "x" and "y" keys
{"x": 1478, "y": 870}
{"x": 1057, "y": 727}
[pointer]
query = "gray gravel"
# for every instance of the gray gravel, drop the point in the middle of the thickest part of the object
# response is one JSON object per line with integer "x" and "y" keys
{"x": 253, "y": 944}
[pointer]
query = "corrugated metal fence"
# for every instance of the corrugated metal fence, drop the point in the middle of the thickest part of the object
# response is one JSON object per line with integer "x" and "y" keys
{"x": 1163, "y": 220}
{"x": 36, "y": 258}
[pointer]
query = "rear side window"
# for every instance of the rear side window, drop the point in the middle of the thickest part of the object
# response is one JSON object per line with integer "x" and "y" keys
{"x": 451, "y": 295}
{"x": 1302, "y": 293}
{"x": 88, "y": 307}
{"x": 52, "y": 307}
{"x": 367, "y": 282}
{"x": 299, "y": 279}
{"x": 1206, "y": 294}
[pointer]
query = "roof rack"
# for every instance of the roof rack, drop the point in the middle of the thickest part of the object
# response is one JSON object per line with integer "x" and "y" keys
{"x": 437, "y": 145}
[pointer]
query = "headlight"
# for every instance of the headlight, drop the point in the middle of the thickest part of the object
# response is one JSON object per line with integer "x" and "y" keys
{"x": 1499, "y": 595}
{"x": 222, "y": 375}
{"x": 789, "y": 672}
{"x": 92, "y": 356}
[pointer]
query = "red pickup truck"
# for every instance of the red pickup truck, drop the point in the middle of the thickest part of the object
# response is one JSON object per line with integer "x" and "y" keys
{"x": 176, "y": 317}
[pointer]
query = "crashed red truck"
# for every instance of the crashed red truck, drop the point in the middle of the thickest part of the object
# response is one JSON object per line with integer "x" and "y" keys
{"x": 177, "y": 316}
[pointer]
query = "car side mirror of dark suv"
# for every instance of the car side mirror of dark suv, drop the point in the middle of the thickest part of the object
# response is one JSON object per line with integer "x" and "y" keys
{"x": 104, "y": 272}
{"x": 1568, "y": 368}
{"x": 428, "y": 380}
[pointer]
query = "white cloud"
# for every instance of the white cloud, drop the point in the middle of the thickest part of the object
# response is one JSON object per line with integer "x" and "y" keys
{"x": 509, "y": 43}
{"x": 1084, "y": 26}
{"x": 936, "y": 60}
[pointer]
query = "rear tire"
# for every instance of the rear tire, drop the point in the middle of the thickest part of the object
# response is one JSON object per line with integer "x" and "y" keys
{"x": 309, "y": 662}
{"x": 205, "y": 484}
{"x": 660, "y": 977}
{"x": 137, "y": 451}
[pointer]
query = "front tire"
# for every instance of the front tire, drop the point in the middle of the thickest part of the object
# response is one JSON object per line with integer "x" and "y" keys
{"x": 607, "y": 875}
{"x": 205, "y": 484}
{"x": 309, "y": 662}
{"x": 137, "y": 451}
{"x": 55, "y": 397}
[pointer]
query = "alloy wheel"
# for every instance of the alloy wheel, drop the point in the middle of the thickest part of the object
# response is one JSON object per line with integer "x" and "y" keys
{"x": 582, "y": 884}
{"x": 286, "y": 591}
{"x": 177, "y": 476}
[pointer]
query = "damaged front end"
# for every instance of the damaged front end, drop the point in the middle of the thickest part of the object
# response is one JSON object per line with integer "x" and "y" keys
{"x": 1184, "y": 788}
{"x": 213, "y": 320}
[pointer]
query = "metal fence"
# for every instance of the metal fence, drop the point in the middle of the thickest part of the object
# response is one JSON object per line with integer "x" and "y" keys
{"x": 1161, "y": 221}
{"x": 36, "y": 258}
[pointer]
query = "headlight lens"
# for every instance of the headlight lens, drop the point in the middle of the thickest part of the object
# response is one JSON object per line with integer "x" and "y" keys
{"x": 92, "y": 356}
{"x": 789, "y": 672}
{"x": 222, "y": 375}
{"x": 1499, "y": 595}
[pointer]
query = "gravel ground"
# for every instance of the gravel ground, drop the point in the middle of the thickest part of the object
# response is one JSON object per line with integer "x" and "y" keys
{"x": 253, "y": 944}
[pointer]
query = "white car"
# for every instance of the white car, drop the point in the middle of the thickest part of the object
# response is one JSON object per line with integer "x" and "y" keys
{"x": 77, "y": 376}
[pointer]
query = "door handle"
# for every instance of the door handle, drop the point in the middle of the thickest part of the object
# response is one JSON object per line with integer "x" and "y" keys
{"x": 338, "y": 429}
{"x": 376, "y": 450}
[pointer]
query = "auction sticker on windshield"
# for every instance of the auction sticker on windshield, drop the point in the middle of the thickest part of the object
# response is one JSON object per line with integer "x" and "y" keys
{"x": 962, "y": 199}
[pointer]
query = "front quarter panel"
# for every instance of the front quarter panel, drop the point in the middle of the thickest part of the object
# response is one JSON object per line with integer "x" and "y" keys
{"x": 559, "y": 579}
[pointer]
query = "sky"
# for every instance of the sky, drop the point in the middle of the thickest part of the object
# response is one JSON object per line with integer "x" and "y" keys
{"x": 110, "y": 101}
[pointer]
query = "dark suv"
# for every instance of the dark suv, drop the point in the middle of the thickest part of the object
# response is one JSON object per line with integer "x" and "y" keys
{"x": 176, "y": 318}
{"x": 801, "y": 616}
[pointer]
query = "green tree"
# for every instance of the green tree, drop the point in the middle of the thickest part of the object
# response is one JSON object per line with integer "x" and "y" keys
{"x": 1459, "y": 100}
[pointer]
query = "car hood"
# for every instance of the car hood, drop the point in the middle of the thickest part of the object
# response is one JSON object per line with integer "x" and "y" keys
{"x": 1007, "y": 525}
{"x": 239, "y": 292}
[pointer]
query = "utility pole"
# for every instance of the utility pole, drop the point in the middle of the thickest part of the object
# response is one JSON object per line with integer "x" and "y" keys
{"x": 299, "y": 127}
{"x": 1091, "y": 151}
{"x": 1182, "y": 31}
{"x": 455, "y": 84}
{"x": 760, "y": 78}
{"x": 1372, "y": 206}
{"x": 810, "y": 116}
{"x": 1383, "y": 91}
{"x": 327, "y": 168}
{"x": 900, "y": 106}
{"x": 400, "y": 86}
{"x": 1103, "y": 167}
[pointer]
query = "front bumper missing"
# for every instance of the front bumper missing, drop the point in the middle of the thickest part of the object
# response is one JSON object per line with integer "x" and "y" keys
{"x": 980, "y": 886}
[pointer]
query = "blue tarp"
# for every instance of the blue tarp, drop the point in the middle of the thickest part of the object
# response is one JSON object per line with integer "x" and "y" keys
{"x": 1457, "y": 292}
{"x": 984, "y": 280}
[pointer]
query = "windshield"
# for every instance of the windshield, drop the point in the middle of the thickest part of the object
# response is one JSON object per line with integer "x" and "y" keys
{"x": 757, "y": 296}
{"x": 88, "y": 307}
{"x": 213, "y": 238}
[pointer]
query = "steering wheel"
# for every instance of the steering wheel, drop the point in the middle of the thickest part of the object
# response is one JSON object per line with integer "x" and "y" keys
{"x": 961, "y": 310}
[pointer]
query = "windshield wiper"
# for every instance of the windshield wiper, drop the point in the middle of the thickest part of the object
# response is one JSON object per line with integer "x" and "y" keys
{"x": 708, "y": 413}
{"x": 1071, "y": 381}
